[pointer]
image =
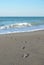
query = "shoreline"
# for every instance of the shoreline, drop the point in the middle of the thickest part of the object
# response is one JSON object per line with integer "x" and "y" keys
{"x": 22, "y": 32}
{"x": 22, "y": 29}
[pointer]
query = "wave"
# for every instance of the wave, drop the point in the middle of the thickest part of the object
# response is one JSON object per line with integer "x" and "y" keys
{"x": 22, "y": 29}
{"x": 17, "y": 25}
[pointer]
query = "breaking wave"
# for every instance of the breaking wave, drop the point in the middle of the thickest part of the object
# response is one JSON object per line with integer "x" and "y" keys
{"x": 20, "y": 27}
{"x": 17, "y": 25}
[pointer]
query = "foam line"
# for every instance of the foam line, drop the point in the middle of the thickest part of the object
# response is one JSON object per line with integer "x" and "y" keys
{"x": 17, "y": 25}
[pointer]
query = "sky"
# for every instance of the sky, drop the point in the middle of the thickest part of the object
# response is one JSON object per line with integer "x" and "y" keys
{"x": 21, "y": 7}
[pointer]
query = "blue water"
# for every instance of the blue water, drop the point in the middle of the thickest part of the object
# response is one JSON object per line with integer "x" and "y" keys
{"x": 20, "y": 24}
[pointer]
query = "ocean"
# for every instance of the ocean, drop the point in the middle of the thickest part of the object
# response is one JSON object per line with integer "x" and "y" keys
{"x": 20, "y": 24}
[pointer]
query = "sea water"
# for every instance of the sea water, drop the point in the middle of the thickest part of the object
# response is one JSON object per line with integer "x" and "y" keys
{"x": 20, "y": 24}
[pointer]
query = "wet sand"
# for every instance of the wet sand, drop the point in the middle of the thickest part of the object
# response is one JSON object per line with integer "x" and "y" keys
{"x": 22, "y": 48}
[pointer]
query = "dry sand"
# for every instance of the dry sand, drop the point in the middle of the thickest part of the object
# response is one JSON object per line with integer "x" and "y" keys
{"x": 22, "y": 48}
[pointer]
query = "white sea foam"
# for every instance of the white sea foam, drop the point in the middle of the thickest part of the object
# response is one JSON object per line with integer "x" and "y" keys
{"x": 4, "y": 27}
{"x": 15, "y": 25}
{"x": 18, "y": 28}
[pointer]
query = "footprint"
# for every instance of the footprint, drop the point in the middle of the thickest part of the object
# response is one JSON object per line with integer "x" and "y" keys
{"x": 23, "y": 47}
{"x": 25, "y": 55}
{"x": 25, "y": 41}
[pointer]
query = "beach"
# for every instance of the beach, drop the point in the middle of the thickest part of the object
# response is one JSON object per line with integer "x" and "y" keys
{"x": 25, "y": 48}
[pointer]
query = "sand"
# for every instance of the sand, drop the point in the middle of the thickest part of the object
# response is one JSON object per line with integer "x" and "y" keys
{"x": 22, "y": 48}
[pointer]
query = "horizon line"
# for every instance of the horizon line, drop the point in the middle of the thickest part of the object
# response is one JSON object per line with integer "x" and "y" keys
{"x": 21, "y": 16}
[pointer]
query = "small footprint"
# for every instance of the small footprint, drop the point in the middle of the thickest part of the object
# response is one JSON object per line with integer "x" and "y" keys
{"x": 23, "y": 47}
{"x": 25, "y": 41}
{"x": 25, "y": 55}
